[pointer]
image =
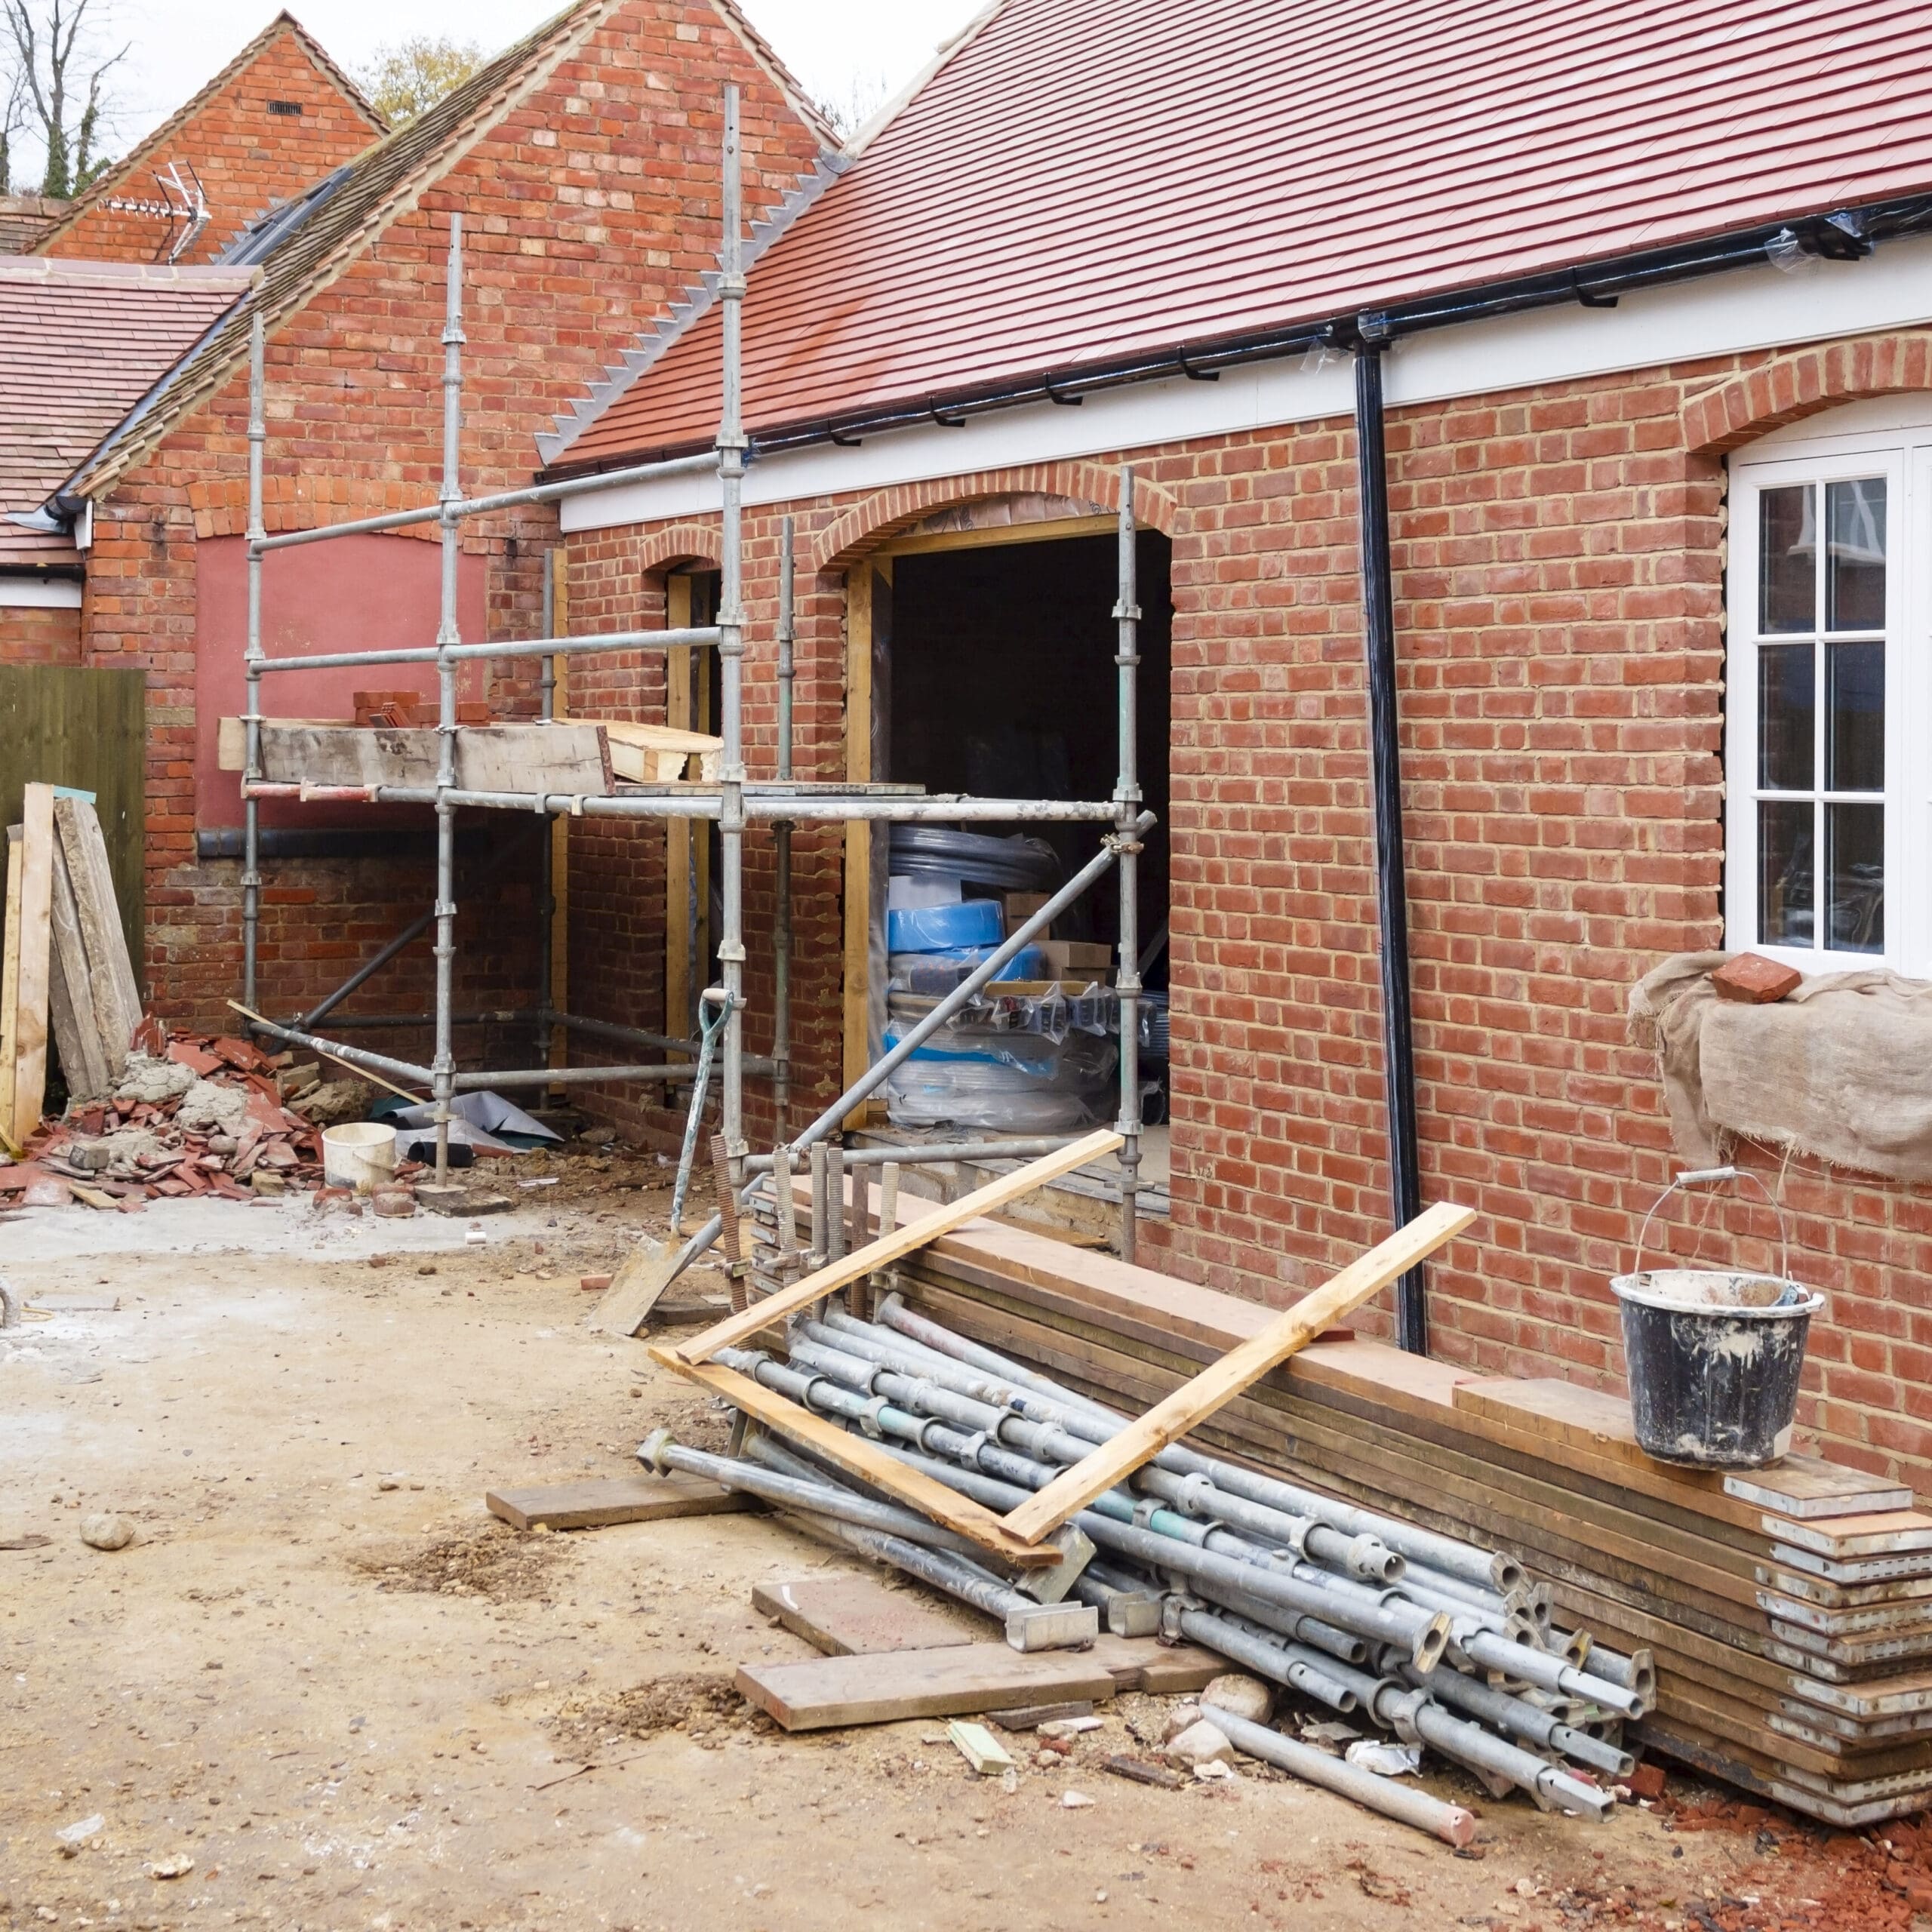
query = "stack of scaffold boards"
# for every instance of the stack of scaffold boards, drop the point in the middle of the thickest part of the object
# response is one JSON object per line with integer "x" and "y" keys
{"x": 962, "y": 1433}
{"x": 1787, "y": 1613}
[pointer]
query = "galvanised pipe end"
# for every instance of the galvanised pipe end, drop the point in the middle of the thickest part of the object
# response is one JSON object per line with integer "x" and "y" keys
{"x": 1369, "y": 1558}
{"x": 650, "y": 1451}
{"x": 1430, "y": 1642}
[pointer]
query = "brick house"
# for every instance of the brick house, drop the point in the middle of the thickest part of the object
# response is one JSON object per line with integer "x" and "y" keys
{"x": 277, "y": 117}
{"x": 1645, "y": 316}
{"x": 585, "y": 160}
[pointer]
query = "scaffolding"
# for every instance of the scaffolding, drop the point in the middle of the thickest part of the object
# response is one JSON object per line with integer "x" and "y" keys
{"x": 736, "y": 802}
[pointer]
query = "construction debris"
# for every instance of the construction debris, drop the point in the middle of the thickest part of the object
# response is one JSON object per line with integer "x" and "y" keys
{"x": 189, "y": 1115}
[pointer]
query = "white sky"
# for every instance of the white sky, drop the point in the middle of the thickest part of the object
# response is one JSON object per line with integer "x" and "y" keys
{"x": 833, "y": 46}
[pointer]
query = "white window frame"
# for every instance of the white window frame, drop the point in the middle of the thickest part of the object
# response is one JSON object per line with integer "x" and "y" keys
{"x": 1894, "y": 441}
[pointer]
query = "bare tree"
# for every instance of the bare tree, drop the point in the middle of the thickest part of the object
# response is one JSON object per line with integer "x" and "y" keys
{"x": 54, "y": 53}
{"x": 13, "y": 118}
{"x": 405, "y": 76}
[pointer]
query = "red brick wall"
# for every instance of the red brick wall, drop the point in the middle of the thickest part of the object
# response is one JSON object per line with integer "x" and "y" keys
{"x": 31, "y": 635}
{"x": 1558, "y": 558}
{"x": 248, "y": 159}
{"x": 588, "y": 209}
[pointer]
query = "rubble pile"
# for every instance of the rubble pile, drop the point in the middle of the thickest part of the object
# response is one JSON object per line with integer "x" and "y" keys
{"x": 192, "y": 1115}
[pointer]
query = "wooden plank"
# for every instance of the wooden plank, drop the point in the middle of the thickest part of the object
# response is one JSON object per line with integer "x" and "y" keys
{"x": 596, "y": 1502}
{"x": 108, "y": 990}
{"x": 1162, "y": 1670}
{"x": 232, "y": 738}
{"x": 1240, "y": 1369}
{"x": 10, "y": 980}
{"x": 856, "y": 1616}
{"x": 85, "y": 727}
{"x": 679, "y": 992}
{"x": 882, "y": 1688}
{"x": 895, "y": 1245}
{"x": 570, "y": 759}
{"x": 1800, "y": 1486}
{"x": 856, "y": 996}
{"x": 1890, "y": 1533}
{"x": 30, "y": 1021}
{"x": 859, "y": 1457}
{"x": 77, "y": 1038}
{"x": 1808, "y": 1487}
{"x": 660, "y": 754}
{"x": 642, "y": 1278}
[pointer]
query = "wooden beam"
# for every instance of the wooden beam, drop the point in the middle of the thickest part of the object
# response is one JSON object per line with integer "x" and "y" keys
{"x": 677, "y": 832}
{"x": 822, "y": 1693}
{"x": 857, "y": 1024}
{"x": 899, "y": 1242}
{"x": 10, "y": 982}
{"x": 865, "y": 1460}
{"x": 1241, "y": 1368}
{"x": 28, "y": 1071}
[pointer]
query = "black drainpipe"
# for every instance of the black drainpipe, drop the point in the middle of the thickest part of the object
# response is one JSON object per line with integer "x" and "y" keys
{"x": 1399, "y": 1049}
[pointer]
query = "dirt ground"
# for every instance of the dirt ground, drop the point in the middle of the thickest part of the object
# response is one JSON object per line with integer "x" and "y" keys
{"x": 324, "y": 1675}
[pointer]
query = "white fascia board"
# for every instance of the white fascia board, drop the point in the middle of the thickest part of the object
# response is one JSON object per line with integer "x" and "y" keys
{"x": 1730, "y": 313}
{"x": 39, "y": 593}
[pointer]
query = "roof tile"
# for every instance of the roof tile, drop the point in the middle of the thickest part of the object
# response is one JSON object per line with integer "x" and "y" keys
{"x": 1086, "y": 179}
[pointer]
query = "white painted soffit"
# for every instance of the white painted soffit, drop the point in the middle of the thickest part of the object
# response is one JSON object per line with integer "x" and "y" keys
{"x": 39, "y": 593}
{"x": 1720, "y": 314}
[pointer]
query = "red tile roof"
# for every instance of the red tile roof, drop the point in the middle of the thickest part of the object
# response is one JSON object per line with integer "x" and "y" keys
{"x": 81, "y": 344}
{"x": 1086, "y": 180}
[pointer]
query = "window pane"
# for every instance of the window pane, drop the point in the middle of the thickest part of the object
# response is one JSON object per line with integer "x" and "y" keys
{"x": 1785, "y": 894}
{"x": 1787, "y": 558}
{"x": 1787, "y": 706}
{"x": 1855, "y": 841}
{"x": 1855, "y": 592}
{"x": 1855, "y": 726}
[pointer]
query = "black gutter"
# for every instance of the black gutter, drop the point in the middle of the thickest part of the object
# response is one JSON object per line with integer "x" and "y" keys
{"x": 1844, "y": 235}
{"x": 1399, "y": 1049}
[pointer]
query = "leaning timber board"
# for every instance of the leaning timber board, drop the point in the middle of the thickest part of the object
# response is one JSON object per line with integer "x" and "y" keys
{"x": 958, "y": 1681}
{"x": 572, "y": 758}
{"x": 596, "y": 1502}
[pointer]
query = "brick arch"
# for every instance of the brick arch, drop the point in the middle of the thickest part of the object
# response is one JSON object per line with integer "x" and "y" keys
{"x": 1787, "y": 387}
{"x": 679, "y": 543}
{"x": 877, "y": 518}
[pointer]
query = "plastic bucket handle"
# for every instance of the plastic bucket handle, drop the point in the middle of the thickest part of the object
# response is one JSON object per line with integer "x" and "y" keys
{"x": 1712, "y": 1177}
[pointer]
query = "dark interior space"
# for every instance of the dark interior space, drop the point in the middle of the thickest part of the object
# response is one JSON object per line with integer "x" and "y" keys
{"x": 1002, "y": 682}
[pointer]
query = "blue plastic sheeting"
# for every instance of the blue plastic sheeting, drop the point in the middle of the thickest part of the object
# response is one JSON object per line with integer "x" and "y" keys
{"x": 945, "y": 928}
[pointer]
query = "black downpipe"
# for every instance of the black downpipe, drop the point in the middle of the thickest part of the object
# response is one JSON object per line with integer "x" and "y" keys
{"x": 1398, "y": 1051}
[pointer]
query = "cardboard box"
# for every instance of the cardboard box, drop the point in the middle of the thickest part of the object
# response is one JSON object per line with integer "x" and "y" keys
{"x": 1021, "y": 906}
{"x": 1069, "y": 957}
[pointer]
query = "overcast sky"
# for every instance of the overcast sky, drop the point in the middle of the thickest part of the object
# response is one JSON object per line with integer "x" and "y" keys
{"x": 833, "y": 46}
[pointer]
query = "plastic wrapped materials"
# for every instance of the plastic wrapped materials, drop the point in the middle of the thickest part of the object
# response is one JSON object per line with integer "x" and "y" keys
{"x": 1008, "y": 1082}
{"x": 945, "y": 928}
{"x": 935, "y": 974}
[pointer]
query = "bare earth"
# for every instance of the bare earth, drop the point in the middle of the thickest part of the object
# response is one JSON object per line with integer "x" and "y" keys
{"x": 325, "y": 1676}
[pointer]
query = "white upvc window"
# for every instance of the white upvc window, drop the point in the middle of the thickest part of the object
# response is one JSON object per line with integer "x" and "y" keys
{"x": 1828, "y": 757}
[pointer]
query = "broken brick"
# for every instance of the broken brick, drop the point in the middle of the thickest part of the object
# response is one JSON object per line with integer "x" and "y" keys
{"x": 1753, "y": 979}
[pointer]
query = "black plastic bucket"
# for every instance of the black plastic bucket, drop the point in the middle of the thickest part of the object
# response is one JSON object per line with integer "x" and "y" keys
{"x": 1714, "y": 1385}
{"x": 1713, "y": 1355}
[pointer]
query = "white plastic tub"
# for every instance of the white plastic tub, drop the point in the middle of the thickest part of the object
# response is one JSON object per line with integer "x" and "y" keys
{"x": 359, "y": 1153}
